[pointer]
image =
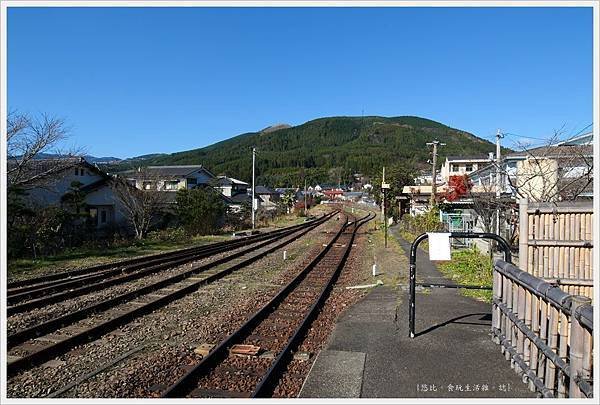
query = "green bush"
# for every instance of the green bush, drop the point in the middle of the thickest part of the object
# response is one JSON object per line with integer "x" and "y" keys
{"x": 168, "y": 235}
{"x": 200, "y": 210}
{"x": 473, "y": 268}
{"x": 411, "y": 227}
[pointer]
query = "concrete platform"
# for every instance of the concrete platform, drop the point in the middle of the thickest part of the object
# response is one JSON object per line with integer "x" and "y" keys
{"x": 340, "y": 375}
{"x": 451, "y": 356}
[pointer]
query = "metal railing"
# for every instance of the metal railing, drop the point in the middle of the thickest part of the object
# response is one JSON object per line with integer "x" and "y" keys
{"x": 502, "y": 244}
{"x": 544, "y": 332}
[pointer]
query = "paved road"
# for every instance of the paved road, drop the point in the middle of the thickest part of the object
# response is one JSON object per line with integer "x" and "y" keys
{"x": 370, "y": 354}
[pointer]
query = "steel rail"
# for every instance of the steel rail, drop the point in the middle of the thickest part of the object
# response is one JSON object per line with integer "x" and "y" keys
{"x": 70, "y": 318}
{"x": 186, "y": 384}
{"x": 37, "y": 288}
{"x": 23, "y": 285}
{"x": 269, "y": 381}
{"x": 67, "y": 290}
{"x": 94, "y": 332}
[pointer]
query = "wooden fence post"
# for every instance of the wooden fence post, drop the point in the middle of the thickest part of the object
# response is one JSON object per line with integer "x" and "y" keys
{"x": 523, "y": 234}
{"x": 576, "y": 348}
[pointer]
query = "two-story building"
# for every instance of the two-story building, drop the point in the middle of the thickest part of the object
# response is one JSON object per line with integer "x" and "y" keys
{"x": 269, "y": 198}
{"x": 54, "y": 178}
{"x": 169, "y": 178}
{"x": 230, "y": 187}
{"x": 461, "y": 165}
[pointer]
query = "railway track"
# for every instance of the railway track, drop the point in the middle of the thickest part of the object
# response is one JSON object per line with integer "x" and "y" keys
{"x": 250, "y": 361}
{"x": 75, "y": 283}
{"x": 39, "y": 343}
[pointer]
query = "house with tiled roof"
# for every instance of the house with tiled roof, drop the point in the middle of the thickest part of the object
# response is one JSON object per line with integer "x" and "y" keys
{"x": 169, "y": 178}
{"x": 54, "y": 178}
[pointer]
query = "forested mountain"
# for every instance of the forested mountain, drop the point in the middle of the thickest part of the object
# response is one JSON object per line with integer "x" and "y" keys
{"x": 321, "y": 147}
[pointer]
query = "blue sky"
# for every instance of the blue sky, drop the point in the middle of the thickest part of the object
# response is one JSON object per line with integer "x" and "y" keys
{"x": 131, "y": 81}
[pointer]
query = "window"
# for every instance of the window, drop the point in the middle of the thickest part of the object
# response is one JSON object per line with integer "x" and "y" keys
{"x": 454, "y": 167}
{"x": 192, "y": 181}
{"x": 171, "y": 185}
{"x": 76, "y": 171}
{"x": 103, "y": 216}
{"x": 94, "y": 216}
{"x": 469, "y": 167}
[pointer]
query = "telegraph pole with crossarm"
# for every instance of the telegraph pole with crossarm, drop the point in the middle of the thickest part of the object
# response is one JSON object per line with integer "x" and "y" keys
{"x": 435, "y": 145}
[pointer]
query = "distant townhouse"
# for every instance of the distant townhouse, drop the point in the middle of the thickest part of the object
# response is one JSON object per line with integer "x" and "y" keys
{"x": 230, "y": 187}
{"x": 549, "y": 173}
{"x": 239, "y": 193}
{"x": 269, "y": 198}
{"x": 169, "y": 178}
{"x": 461, "y": 165}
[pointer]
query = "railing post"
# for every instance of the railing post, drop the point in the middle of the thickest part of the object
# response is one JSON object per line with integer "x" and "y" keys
{"x": 576, "y": 347}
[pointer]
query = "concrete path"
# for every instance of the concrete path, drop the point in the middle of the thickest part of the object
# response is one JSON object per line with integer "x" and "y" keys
{"x": 370, "y": 355}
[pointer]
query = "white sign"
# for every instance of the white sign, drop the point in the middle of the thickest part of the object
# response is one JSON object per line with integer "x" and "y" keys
{"x": 439, "y": 246}
{"x": 385, "y": 185}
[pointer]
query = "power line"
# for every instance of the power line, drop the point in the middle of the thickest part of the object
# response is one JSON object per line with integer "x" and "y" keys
{"x": 586, "y": 127}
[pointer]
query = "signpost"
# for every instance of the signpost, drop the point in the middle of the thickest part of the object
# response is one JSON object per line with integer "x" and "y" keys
{"x": 384, "y": 186}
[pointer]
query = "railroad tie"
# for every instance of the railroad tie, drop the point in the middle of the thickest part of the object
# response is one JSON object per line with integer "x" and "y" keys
{"x": 215, "y": 393}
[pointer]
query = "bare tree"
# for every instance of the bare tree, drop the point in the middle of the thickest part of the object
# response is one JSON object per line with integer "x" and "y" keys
{"x": 553, "y": 172}
{"x": 27, "y": 139}
{"x": 142, "y": 208}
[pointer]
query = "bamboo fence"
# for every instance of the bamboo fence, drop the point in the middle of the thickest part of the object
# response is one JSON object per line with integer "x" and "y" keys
{"x": 544, "y": 332}
{"x": 555, "y": 244}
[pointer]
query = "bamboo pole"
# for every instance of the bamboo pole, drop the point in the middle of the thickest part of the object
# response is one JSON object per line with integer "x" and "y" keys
{"x": 527, "y": 319}
{"x": 546, "y": 253}
{"x": 514, "y": 335}
{"x": 541, "y": 369}
{"x": 523, "y": 234}
{"x": 497, "y": 295}
{"x": 588, "y": 349}
{"x": 550, "y": 379}
{"x": 508, "y": 325}
{"x": 577, "y": 348}
{"x": 562, "y": 352}
{"x": 521, "y": 316}
{"x": 535, "y": 328}
{"x": 572, "y": 263}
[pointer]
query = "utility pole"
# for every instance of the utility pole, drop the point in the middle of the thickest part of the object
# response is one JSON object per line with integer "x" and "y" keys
{"x": 305, "y": 207}
{"x": 435, "y": 145}
{"x": 384, "y": 186}
{"x": 499, "y": 136}
{"x": 253, "y": 189}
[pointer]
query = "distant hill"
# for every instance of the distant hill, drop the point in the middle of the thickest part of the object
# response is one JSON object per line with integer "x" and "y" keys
{"x": 101, "y": 160}
{"x": 275, "y": 127}
{"x": 89, "y": 158}
{"x": 353, "y": 144}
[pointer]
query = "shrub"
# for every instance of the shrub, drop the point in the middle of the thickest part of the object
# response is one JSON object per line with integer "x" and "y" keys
{"x": 200, "y": 210}
{"x": 168, "y": 235}
{"x": 411, "y": 227}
